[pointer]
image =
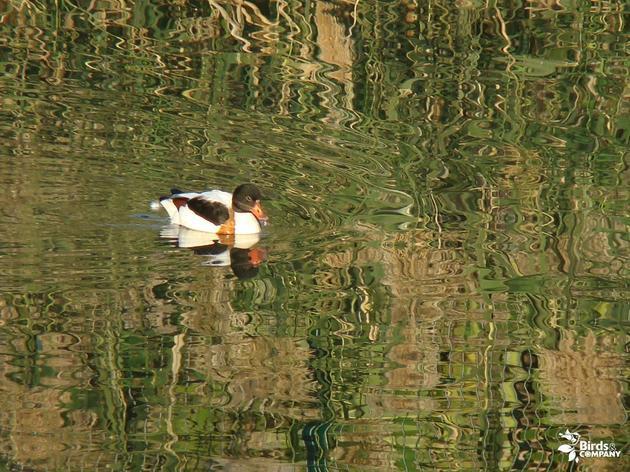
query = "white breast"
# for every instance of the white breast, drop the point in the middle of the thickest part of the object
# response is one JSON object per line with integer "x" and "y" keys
{"x": 245, "y": 223}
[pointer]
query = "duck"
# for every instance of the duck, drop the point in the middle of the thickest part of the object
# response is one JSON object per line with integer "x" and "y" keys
{"x": 217, "y": 211}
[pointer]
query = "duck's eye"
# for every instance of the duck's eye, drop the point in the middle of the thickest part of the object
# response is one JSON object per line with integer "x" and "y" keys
{"x": 248, "y": 198}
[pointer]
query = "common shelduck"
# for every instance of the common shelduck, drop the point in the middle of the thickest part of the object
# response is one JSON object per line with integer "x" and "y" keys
{"x": 216, "y": 211}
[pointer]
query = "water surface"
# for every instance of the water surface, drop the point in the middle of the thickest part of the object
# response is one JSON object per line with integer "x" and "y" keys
{"x": 444, "y": 282}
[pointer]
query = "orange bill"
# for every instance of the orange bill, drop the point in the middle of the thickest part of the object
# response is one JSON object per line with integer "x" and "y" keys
{"x": 259, "y": 213}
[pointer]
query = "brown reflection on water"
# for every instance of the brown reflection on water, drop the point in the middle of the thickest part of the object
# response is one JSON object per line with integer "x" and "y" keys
{"x": 424, "y": 284}
{"x": 270, "y": 373}
{"x": 36, "y": 417}
{"x": 581, "y": 380}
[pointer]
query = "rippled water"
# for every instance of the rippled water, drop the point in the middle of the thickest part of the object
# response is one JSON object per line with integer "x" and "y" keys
{"x": 444, "y": 281}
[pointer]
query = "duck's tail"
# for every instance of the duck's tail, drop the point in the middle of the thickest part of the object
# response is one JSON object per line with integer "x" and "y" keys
{"x": 172, "y": 202}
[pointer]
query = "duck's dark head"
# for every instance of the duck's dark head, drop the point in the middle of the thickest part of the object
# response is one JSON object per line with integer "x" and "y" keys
{"x": 246, "y": 198}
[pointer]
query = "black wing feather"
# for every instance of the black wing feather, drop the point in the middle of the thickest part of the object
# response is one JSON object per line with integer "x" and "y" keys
{"x": 215, "y": 212}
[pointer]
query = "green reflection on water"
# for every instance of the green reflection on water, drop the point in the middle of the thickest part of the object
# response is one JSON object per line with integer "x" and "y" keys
{"x": 445, "y": 276}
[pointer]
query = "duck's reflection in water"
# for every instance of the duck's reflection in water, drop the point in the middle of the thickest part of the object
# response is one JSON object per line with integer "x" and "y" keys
{"x": 221, "y": 250}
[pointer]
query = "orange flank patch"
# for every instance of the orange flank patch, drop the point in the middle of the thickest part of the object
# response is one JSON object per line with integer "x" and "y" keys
{"x": 227, "y": 227}
{"x": 226, "y": 239}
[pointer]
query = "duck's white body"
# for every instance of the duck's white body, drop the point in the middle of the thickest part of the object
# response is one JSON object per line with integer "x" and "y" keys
{"x": 178, "y": 210}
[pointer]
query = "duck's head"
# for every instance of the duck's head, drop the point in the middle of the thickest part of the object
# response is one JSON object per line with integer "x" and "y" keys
{"x": 246, "y": 198}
